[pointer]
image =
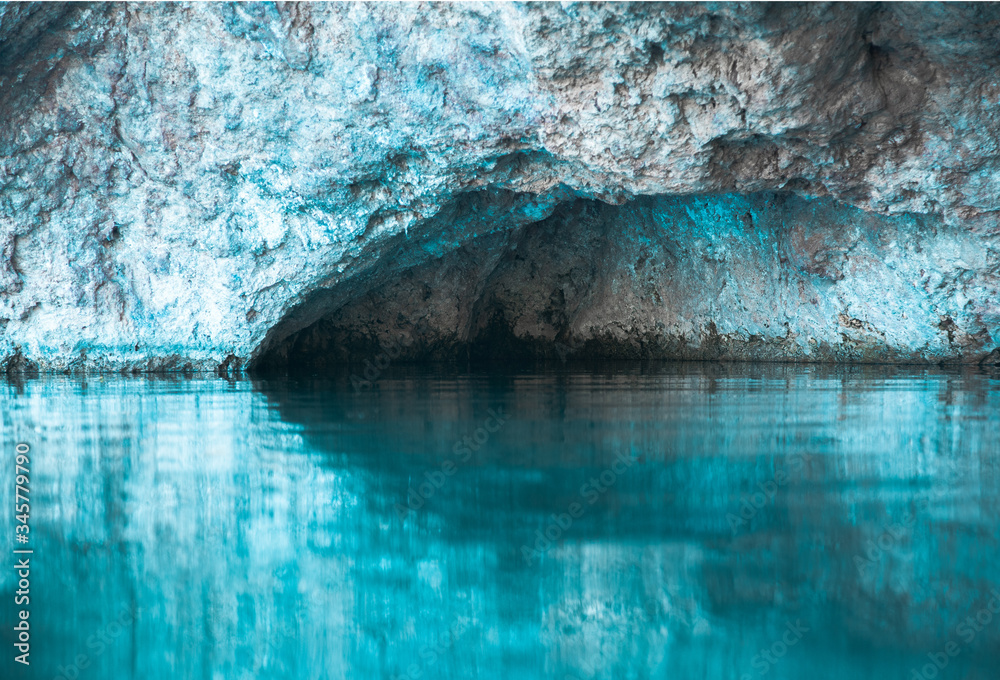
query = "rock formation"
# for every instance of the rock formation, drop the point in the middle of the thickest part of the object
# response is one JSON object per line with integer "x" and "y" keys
{"x": 224, "y": 185}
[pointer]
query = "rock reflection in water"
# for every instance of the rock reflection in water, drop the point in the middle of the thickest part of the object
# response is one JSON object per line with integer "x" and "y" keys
{"x": 781, "y": 521}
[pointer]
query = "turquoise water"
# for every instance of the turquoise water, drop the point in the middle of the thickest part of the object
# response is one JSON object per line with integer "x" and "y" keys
{"x": 702, "y": 521}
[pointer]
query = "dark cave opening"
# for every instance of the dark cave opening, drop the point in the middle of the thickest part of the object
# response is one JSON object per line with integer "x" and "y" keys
{"x": 764, "y": 277}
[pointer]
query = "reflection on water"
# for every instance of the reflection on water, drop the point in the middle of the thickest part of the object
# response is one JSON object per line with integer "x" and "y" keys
{"x": 692, "y": 521}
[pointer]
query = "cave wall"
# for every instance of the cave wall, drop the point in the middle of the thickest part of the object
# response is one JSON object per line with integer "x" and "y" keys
{"x": 764, "y": 276}
{"x": 189, "y": 186}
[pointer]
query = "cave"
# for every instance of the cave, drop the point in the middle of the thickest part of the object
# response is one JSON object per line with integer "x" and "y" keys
{"x": 762, "y": 276}
{"x": 267, "y": 187}
{"x": 533, "y": 340}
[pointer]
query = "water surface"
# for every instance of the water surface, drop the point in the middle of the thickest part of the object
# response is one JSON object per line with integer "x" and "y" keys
{"x": 685, "y": 521}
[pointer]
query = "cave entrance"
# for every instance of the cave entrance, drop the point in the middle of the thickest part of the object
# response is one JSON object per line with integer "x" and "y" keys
{"x": 767, "y": 276}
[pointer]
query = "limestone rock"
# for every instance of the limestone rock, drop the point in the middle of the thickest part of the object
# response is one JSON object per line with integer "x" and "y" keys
{"x": 196, "y": 185}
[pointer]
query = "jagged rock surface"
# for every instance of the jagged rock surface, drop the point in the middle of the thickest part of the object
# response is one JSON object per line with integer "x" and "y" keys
{"x": 747, "y": 277}
{"x": 199, "y": 185}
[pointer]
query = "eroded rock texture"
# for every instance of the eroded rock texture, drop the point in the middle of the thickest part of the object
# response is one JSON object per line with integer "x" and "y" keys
{"x": 204, "y": 185}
